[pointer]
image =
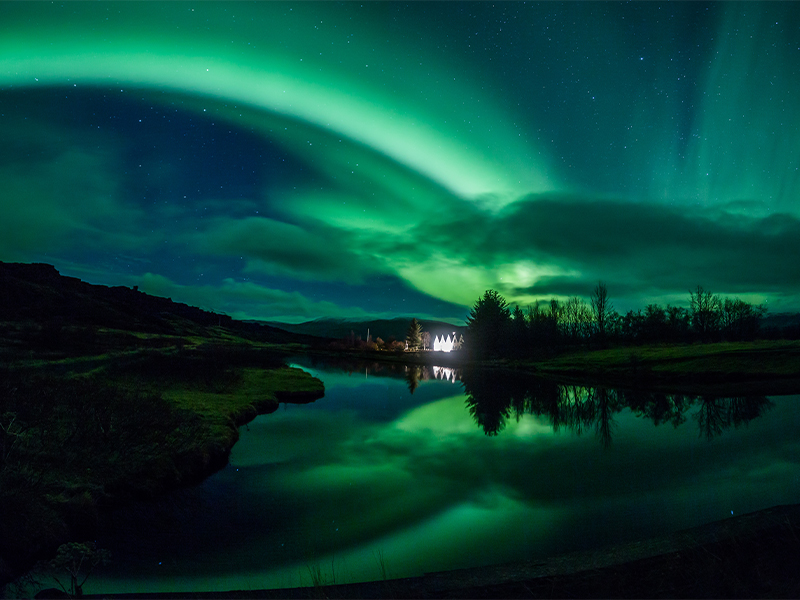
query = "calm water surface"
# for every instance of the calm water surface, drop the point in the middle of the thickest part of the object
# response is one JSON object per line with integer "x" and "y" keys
{"x": 493, "y": 468}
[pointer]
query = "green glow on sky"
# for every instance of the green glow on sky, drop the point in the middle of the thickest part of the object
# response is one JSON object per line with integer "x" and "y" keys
{"x": 447, "y": 149}
{"x": 286, "y": 85}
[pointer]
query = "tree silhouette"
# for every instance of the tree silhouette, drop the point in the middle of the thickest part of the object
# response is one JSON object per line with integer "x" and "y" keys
{"x": 678, "y": 322}
{"x": 739, "y": 320}
{"x": 488, "y": 400}
{"x": 519, "y": 329}
{"x": 705, "y": 308}
{"x": 413, "y": 374}
{"x": 601, "y": 310}
{"x": 576, "y": 319}
{"x": 606, "y": 405}
{"x": 414, "y": 334}
{"x": 78, "y": 560}
{"x": 487, "y": 325}
{"x": 492, "y": 398}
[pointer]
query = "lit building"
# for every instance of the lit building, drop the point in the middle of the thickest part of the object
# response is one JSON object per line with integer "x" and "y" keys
{"x": 447, "y": 344}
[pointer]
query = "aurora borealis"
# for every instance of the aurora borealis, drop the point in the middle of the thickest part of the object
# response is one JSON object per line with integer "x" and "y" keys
{"x": 290, "y": 161}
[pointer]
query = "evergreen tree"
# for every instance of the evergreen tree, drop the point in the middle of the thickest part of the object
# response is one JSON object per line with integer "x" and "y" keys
{"x": 414, "y": 334}
{"x": 488, "y": 324}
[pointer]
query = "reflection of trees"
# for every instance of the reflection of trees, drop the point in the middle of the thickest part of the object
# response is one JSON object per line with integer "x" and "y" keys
{"x": 488, "y": 403}
{"x": 714, "y": 415}
{"x": 606, "y": 404}
{"x": 579, "y": 409}
{"x": 495, "y": 396}
{"x": 658, "y": 407}
{"x": 413, "y": 375}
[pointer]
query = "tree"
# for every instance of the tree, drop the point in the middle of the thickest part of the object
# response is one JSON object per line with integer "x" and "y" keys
{"x": 78, "y": 560}
{"x": 414, "y": 334}
{"x": 543, "y": 324}
{"x": 413, "y": 374}
{"x": 705, "y": 308}
{"x": 678, "y": 322}
{"x": 519, "y": 328}
{"x": 426, "y": 340}
{"x": 576, "y": 317}
{"x": 632, "y": 326}
{"x": 487, "y": 324}
{"x": 739, "y": 320}
{"x": 601, "y": 309}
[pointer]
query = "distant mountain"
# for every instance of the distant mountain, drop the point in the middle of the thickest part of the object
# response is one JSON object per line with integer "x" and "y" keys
{"x": 383, "y": 328}
{"x": 36, "y": 293}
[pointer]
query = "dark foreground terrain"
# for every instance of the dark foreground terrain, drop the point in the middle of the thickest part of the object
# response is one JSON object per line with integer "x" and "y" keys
{"x": 110, "y": 396}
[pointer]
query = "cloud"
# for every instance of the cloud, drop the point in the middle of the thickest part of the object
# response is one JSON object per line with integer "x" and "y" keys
{"x": 247, "y": 300}
{"x": 61, "y": 191}
{"x": 324, "y": 166}
{"x": 63, "y": 201}
{"x": 311, "y": 251}
{"x": 645, "y": 248}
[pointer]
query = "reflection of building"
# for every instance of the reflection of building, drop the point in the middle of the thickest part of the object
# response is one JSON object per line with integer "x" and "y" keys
{"x": 446, "y": 373}
{"x": 447, "y": 344}
{"x": 416, "y": 373}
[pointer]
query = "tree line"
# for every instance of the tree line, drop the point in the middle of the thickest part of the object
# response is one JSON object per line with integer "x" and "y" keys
{"x": 492, "y": 401}
{"x": 497, "y": 329}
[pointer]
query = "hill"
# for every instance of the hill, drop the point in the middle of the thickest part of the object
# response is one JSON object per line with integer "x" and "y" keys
{"x": 383, "y": 328}
{"x": 109, "y": 395}
{"x": 39, "y": 304}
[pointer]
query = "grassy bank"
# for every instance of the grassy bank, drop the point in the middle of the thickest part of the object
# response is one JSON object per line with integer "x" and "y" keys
{"x": 725, "y": 368}
{"x": 763, "y": 366}
{"x": 89, "y": 432}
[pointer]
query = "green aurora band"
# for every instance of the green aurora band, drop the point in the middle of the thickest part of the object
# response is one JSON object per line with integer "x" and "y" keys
{"x": 453, "y": 147}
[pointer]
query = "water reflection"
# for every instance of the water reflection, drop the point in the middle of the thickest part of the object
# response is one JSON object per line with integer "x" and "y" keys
{"x": 493, "y": 399}
{"x": 414, "y": 374}
{"x": 373, "y": 469}
{"x": 495, "y": 396}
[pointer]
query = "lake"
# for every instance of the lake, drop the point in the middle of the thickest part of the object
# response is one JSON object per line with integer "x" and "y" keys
{"x": 397, "y": 472}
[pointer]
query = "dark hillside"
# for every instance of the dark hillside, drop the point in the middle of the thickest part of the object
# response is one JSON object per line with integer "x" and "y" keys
{"x": 37, "y": 293}
{"x": 383, "y": 328}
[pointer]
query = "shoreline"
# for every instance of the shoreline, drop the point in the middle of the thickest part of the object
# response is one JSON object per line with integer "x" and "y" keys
{"x": 741, "y": 556}
{"x": 722, "y": 368}
{"x": 217, "y": 417}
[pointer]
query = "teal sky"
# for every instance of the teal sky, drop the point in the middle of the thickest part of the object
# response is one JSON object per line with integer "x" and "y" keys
{"x": 299, "y": 160}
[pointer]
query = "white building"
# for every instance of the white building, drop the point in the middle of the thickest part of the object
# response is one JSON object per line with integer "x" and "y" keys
{"x": 447, "y": 344}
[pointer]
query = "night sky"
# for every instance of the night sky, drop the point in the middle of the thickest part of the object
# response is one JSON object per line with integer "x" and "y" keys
{"x": 291, "y": 161}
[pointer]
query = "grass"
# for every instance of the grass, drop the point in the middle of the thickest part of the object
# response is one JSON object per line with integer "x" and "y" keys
{"x": 380, "y": 558}
{"x": 775, "y": 362}
{"x": 320, "y": 581}
{"x": 87, "y": 432}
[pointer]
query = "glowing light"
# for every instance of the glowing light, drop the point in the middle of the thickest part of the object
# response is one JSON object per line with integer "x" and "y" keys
{"x": 447, "y": 344}
{"x": 445, "y": 373}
